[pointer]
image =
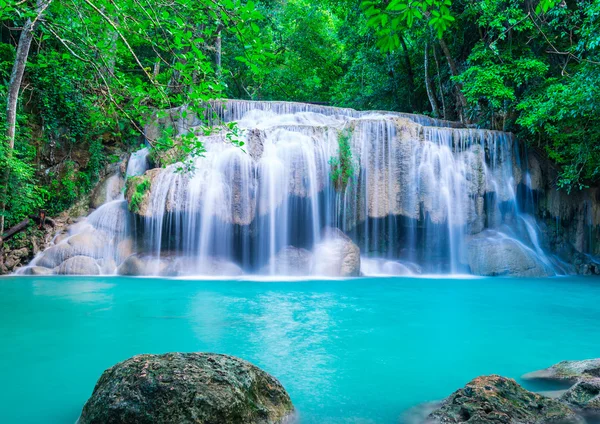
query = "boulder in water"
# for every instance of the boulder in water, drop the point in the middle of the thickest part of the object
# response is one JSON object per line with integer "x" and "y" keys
{"x": 141, "y": 264}
{"x": 107, "y": 266}
{"x": 491, "y": 253}
{"x": 290, "y": 260}
{"x": 567, "y": 371}
{"x": 55, "y": 255}
{"x": 336, "y": 255}
{"x": 584, "y": 378}
{"x": 186, "y": 388}
{"x": 208, "y": 266}
{"x": 91, "y": 243}
{"x": 38, "y": 270}
{"x": 79, "y": 265}
{"x": 498, "y": 400}
{"x": 380, "y": 266}
{"x": 584, "y": 397}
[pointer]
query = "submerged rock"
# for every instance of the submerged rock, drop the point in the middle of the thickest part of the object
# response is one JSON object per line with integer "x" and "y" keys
{"x": 491, "y": 253}
{"x": 186, "y": 388}
{"x": 290, "y": 261}
{"x": 495, "y": 399}
{"x": 336, "y": 255}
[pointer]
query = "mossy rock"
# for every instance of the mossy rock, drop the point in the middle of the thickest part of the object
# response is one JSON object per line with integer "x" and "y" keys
{"x": 498, "y": 400}
{"x": 185, "y": 388}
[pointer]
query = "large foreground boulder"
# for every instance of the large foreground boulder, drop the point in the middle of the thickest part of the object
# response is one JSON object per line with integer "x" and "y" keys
{"x": 498, "y": 400}
{"x": 185, "y": 388}
{"x": 336, "y": 255}
{"x": 491, "y": 253}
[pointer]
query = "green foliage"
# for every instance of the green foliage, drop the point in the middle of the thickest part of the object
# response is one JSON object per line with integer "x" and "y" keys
{"x": 342, "y": 165}
{"x": 390, "y": 19}
{"x": 139, "y": 191}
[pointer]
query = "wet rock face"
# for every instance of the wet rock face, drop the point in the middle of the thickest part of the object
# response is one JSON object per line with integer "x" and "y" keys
{"x": 186, "y": 388}
{"x": 491, "y": 254}
{"x": 107, "y": 190}
{"x": 498, "y": 400}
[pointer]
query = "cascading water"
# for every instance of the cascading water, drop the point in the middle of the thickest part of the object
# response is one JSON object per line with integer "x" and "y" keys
{"x": 100, "y": 242}
{"x": 421, "y": 190}
{"x": 425, "y": 196}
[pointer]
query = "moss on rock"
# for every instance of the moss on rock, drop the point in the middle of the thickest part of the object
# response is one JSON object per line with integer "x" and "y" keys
{"x": 186, "y": 388}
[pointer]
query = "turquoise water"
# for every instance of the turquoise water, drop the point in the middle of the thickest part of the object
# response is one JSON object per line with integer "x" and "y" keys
{"x": 354, "y": 351}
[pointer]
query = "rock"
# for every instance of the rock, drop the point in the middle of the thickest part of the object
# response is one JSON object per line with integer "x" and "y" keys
{"x": 491, "y": 253}
{"x": 79, "y": 265}
{"x": 186, "y": 388}
{"x": 336, "y": 255}
{"x": 107, "y": 266}
{"x": 143, "y": 206}
{"x": 107, "y": 190}
{"x": 37, "y": 270}
{"x": 179, "y": 266}
{"x": 379, "y": 266}
{"x": 55, "y": 255}
{"x": 89, "y": 243}
{"x": 584, "y": 397}
{"x": 290, "y": 261}
{"x": 567, "y": 371}
{"x": 141, "y": 264}
{"x": 498, "y": 400}
{"x": 125, "y": 248}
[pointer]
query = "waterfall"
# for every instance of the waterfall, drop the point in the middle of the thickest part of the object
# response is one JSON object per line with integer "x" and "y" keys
{"x": 98, "y": 243}
{"x": 425, "y": 196}
{"x": 421, "y": 191}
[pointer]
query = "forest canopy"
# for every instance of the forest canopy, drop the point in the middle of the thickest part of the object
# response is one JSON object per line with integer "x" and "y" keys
{"x": 79, "y": 78}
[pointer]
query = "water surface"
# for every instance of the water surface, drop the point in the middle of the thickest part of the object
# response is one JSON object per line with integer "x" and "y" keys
{"x": 347, "y": 351}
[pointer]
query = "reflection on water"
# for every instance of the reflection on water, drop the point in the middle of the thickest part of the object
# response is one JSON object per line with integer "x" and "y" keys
{"x": 74, "y": 290}
{"x": 347, "y": 351}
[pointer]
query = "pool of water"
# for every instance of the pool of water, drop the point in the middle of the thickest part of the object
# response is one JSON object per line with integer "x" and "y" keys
{"x": 349, "y": 351}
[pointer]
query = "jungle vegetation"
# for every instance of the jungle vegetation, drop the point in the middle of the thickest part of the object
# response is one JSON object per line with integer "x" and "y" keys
{"x": 79, "y": 78}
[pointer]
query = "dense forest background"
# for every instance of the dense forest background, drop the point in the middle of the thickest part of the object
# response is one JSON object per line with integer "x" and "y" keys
{"x": 79, "y": 78}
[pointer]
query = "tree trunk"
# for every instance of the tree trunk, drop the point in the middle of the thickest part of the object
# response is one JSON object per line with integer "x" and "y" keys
{"x": 439, "y": 80}
{"x": 14, "y": 86}
{"x": 430, "y": 92}
{"x": 218, "y": 53}
{"x": 409, "y": 73}
{"x": 462, "y": 101}
{"x": 14, "y": 230}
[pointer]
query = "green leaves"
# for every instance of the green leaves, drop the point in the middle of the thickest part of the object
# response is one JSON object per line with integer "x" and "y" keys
{"x": 544, "y": 5}
{"x": 400, "y": 15}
